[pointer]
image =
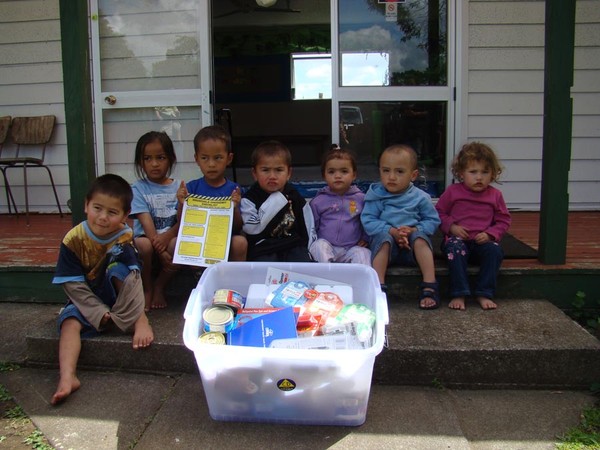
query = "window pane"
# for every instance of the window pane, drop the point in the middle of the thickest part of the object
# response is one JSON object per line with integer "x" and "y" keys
{"x": 405, "y": 47}
{"x": 148, "y": 45}
{"x": 369, "y": 127}
{"x": 311, "y": 76}
{"x": 365, "y": 69}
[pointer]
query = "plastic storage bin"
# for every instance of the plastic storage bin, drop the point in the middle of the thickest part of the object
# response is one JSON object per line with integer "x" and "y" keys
{"x": 299, "y": 386}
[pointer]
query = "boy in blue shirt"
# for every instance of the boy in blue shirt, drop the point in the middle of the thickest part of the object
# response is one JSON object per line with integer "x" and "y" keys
{"x": 400, "y": 219}
{"x": 213, "y": 153}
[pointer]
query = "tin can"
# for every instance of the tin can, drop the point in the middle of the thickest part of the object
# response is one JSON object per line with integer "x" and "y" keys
{"x": 212, "y": 337}
{"x": 227, "y": 297}
{"x": 218, "y": 318}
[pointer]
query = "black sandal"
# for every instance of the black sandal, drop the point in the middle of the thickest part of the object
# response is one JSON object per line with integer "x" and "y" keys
{"x": 430, "y": 290}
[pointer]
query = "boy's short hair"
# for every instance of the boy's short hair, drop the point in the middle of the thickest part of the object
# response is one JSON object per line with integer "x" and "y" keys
{"x": 113, "y": 186}
{"x": 336, "y": 152}
{"x": 271, "y": 148}
{"x": 399, "y": 148}
{"x": 215, "y": 133}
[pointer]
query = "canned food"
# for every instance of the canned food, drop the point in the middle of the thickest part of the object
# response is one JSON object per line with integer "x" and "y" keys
{"x": 218, "y": 318}
{"x": 227, "y": 297}
{"x": 212, "y": 337}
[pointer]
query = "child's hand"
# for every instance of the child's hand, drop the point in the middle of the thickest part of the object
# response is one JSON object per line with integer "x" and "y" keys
{"x": 459, "y": 231}
{"x": 400, "y": 236}
{"x": 160, "y": 242}
{"x": 406, "y": 230}
{"x": 362, "y": 243}
{"x": 236, "y": 196}
{"x": 482, "y": 238}
{"x": 182, "y": 192}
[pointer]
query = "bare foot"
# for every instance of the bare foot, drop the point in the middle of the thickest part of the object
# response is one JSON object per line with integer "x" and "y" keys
{"x": 457, "y": 303}
{"x": 105, "y": 319}
{"x": 158, "y": 299}
{"x": 143, "y": 334}
{"x": 486, "y": 303}
{"x": 66, "y": 386}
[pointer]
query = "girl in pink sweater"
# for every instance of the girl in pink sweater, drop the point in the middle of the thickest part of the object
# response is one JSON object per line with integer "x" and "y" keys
{"x": 474, "y": 218}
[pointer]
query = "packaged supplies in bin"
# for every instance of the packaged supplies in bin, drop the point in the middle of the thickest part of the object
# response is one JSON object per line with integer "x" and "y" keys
{"x": 259, "y": 332}
{"x": 314, "y": 385}
{"x": 289, "y": 293}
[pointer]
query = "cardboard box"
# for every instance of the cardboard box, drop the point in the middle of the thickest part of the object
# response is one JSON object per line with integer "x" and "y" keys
{"x": 299, "y": 386}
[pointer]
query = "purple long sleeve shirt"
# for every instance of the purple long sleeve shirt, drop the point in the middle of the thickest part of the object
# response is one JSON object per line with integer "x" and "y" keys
{"x": 475, "y": 211}
{"x": 337, "y": 217}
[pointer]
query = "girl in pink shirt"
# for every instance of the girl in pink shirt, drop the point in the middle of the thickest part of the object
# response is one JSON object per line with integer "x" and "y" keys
{"x": 474, "y": 218}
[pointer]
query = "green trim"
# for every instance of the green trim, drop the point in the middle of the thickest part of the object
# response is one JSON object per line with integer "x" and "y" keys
{"x": 78, "y": 101}
{"x": 30, "y": 286}
{"x": 558, "y": 116}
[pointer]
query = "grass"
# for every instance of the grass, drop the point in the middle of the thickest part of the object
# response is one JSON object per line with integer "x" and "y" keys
{"x": 17, "y": 431}
{"x": 586, "y": 312}
{"x": 586, "y": 435}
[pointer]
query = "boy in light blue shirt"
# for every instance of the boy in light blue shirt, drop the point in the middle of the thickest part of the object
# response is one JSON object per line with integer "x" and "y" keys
{"x": 400, "y": 219}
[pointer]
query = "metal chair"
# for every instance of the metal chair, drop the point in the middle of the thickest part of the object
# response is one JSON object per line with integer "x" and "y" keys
{"x": 29, "y": 131}
{"x": 4, "y": 126}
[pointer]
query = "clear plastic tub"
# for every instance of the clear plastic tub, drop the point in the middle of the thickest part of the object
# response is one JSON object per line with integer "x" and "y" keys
{"x": 299, "y": 386}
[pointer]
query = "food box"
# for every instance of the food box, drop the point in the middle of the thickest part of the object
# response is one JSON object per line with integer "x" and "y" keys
{"x": 282, "y": 385}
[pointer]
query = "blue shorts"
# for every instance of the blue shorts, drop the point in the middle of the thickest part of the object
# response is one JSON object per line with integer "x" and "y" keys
{"x": 114, "y": 270}
{"x": 398, "y": 256}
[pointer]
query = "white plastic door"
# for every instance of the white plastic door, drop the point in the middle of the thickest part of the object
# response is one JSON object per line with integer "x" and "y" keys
{"x": 151, "y": 71}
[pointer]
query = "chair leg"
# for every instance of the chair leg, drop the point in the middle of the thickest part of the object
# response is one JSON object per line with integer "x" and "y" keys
{"x": 9, "y": 194}
{"x": 54, "y": 188}
{"x": 25, "y": 184}
{"x": 26, "y": 194}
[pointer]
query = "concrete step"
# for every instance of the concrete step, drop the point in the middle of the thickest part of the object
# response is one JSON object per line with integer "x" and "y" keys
{"x": 522, "y": 344}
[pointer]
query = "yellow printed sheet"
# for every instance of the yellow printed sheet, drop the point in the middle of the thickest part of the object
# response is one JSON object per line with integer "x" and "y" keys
{"x": 205, "y": 231}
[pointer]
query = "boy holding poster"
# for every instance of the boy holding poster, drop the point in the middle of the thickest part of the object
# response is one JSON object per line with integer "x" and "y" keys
{"x": 213, "y": 153}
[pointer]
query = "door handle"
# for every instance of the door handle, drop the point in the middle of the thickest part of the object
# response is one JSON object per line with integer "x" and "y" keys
{"x": 110, "y": 99}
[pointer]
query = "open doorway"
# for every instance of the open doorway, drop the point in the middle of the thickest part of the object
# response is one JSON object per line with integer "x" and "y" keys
{"x": 272, "y": 78}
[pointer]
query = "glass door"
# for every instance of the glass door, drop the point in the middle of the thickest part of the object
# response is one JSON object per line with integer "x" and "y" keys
{"x": 151, "y": 72}
{"x": 393, "y": 72}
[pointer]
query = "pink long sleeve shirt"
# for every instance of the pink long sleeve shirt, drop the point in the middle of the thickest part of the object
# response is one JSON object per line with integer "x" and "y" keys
{"x": 475, "y": 211}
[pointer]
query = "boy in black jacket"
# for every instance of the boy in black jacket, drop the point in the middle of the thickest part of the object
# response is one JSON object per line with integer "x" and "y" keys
{"x": 278, "y": 222}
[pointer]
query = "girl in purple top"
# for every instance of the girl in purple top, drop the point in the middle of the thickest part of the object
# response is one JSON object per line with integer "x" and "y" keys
{"x": 336, "y": 209}
{"x": 474, "y": 219}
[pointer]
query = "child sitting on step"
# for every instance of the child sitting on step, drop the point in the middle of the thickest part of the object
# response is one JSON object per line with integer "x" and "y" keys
{"x": 99, "y": 269}
{"x": 336, "y": 209}
{"x": 400, "y": 219}
{"x": 474, "y": 219}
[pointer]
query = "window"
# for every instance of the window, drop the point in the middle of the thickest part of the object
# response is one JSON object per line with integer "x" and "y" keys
{"x": 365, "y": 69}
{"x": 311, "y": 76}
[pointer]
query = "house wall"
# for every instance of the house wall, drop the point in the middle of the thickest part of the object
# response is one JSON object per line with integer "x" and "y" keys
{"x": 31, "y": 85}
{"x": 504, "y": 95}
{"x": 502, "y": 102}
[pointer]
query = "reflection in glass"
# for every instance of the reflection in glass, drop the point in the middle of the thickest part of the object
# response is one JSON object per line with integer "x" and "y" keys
{"x": 365, "y": 69}
{"x": 123, "y": 127}
{"x": 369, "y": 127}
{"x": 413, "y": 40}
{"x": 151, "y": 46}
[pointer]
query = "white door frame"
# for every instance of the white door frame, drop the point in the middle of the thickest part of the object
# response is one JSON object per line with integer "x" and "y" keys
{"x": 156, "y": 98}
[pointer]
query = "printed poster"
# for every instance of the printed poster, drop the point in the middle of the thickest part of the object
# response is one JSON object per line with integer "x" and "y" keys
{"x": 205, "y": 231}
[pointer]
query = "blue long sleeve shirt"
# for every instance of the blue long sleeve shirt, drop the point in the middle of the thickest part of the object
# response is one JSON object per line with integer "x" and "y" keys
{"x": 413, "y": 208}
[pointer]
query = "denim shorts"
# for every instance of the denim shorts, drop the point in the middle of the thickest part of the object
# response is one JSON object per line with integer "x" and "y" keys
{"x": 398, "y": 256}
{"x": 114, "y": 270}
